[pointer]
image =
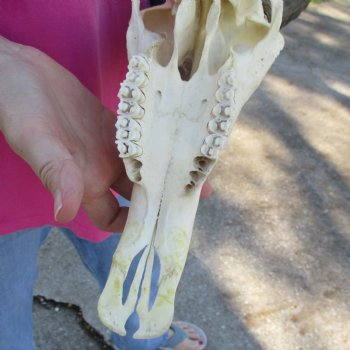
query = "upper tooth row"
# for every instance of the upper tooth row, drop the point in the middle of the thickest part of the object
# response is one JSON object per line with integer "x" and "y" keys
{"x": 223, "y": 117}
{"x": 131, "y": 108}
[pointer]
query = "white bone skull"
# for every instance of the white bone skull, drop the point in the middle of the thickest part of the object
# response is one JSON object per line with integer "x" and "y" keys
{"x": 193, "y": 65}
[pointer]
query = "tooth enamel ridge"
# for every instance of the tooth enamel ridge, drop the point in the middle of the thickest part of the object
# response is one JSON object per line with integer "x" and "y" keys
{"x": 192, "y": 67}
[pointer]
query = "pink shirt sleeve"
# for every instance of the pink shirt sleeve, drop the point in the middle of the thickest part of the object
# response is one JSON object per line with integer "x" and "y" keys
{"x": 88, "y": 38}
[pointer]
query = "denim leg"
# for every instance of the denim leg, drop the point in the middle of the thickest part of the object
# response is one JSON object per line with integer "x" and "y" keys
{"x": 97, "y": 258}
{"x": 18, "y": 272}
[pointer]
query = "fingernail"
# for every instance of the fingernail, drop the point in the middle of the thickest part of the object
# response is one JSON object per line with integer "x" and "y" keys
{"x": 58, "y": 204}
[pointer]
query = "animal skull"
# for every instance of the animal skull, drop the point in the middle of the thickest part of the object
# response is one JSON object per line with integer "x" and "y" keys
{"x": 193, "y": 65}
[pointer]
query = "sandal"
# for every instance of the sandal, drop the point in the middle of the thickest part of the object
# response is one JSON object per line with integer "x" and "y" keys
{"x": 180, "y": 335}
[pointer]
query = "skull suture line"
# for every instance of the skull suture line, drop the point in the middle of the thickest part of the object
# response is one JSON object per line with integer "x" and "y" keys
{"x": 193, "y": 65}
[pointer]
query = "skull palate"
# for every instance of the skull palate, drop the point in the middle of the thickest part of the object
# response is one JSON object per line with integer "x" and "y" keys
{"x": 193, "y": 65}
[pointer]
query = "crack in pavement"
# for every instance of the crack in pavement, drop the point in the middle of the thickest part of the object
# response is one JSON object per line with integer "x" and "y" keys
{"x": 56, "y": 306}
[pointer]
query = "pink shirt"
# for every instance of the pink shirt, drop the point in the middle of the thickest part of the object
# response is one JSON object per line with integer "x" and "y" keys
{"x": 88, "y": 38}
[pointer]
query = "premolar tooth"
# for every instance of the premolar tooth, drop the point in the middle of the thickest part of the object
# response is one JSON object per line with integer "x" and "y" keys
{"x": 128, "y": 149}
{"x": 134, "y": 150}
{"x": 203, "y": 164}
{"x": 122, "y": 148}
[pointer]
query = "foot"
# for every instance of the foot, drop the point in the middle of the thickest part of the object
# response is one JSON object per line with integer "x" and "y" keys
{"x": 185, "y": 336}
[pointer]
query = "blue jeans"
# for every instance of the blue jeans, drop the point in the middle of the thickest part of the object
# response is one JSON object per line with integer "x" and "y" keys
{"x": 18, "y": 272}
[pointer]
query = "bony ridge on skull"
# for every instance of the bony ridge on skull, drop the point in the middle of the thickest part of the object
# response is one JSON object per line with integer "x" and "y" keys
{"x": 193, "y": 65}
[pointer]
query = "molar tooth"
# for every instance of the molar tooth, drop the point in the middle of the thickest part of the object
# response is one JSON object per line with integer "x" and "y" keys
{"x": 131, "y": 77}
{"x": 138, "y": 95}
{"x": 227, "y": 79}
{"x": 139, "y": 62}
{"x": 122, "y": 122}
{"x": 229, "y": 94}
{"x": 125, "y": 92}
{"x": 134, "y": 135}
{"x": 213, "y": 126}
{"x": 137, "y": 111}
{"x": 122, "y": 134}
{"x": 134, "y": 62}
{"x": 230, "y": 79}
{"x": 223, "y": 126}
{"x": 221, "y": 110}
{"x": 123, "y": 107}
{"x": 209, "y": 151}
{"x": 225, "y": 94}
{"x": 217, "y": 110}
{"x": 228, "y": 111}
{"x": 218, "y": 141}
{"x": 141, "y": 79}
{"x": 220, "y": 95}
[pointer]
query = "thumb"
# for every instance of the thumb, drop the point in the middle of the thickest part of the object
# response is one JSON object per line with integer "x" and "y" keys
{"x": 54, "y": 165}
{"x": 63, "y": 179}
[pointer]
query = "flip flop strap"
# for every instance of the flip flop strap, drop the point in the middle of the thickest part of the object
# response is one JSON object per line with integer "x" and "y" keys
{"x": 177, "y": 338}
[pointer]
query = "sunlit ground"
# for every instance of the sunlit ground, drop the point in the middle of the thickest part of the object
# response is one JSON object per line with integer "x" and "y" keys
{"x": 275, "y": 238}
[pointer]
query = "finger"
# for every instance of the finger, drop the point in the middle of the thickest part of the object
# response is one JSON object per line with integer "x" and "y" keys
{"x": 105, "y": 212}
{"x": 207, "y": 190}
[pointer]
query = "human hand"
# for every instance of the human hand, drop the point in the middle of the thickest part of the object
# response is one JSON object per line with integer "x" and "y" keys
{"x": 64, "y": 133}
